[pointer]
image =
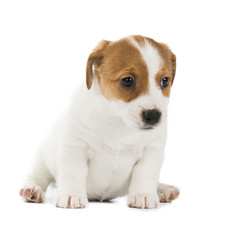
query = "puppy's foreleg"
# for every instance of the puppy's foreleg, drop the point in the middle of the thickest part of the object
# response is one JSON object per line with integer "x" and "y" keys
{"x": 71, "y": 182}
{"x": 144, "y": 181}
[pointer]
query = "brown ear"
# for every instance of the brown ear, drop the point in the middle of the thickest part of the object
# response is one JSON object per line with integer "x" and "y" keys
{"x": 95, "y": 60}
{"x": 173, "y": 61}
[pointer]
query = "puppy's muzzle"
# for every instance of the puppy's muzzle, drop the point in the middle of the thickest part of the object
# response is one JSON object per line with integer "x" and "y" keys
{"x": 151, "y": 117}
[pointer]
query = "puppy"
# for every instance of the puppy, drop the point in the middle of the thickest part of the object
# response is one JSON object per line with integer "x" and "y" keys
{"x": 111, "y": 141}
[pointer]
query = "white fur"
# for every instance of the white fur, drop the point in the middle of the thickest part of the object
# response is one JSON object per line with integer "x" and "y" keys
{"x": 97, "y": 151}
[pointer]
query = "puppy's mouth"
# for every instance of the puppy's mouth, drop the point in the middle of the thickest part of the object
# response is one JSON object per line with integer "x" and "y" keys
{"x": 146, "y": 128}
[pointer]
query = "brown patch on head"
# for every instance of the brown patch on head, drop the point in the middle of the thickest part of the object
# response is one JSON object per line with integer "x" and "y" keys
{"x": 168, "y": 67}
{"x": 140, "y": 40}
{"x": 114, "y": 61}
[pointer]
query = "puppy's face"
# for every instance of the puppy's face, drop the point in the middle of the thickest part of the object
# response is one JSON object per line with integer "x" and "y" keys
{"x": 134, "y": 75}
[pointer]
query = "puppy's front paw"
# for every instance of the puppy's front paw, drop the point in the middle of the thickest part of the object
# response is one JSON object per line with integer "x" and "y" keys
{"x": 167, "y": 193}
{"x": 143, "y": 201}
{"x": 71, "y": 201}
{"x": 32, "y": 193}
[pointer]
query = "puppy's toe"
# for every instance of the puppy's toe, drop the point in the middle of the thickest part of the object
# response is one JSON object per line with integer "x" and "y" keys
{"x": 71, "y": 201}
{"x": 32, "y": 193}
{"x": 167, "y": 193}
{"x": 143, "y": 201}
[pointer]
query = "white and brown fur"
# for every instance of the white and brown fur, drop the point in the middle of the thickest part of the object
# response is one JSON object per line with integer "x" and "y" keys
{"x": 101, "y": 149}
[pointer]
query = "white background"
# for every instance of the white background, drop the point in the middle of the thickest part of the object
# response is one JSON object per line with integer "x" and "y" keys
{"x": 44, "y": 46}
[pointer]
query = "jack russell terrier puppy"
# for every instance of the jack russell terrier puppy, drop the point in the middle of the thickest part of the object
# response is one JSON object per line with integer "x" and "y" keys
{"x": 111, "y": 141}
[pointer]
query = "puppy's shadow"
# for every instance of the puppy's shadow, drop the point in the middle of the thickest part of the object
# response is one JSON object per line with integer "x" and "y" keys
{"x": 101, "y": 201}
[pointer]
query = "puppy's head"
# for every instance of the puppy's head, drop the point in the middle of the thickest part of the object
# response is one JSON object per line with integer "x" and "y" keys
{"x": 134, "y": 75}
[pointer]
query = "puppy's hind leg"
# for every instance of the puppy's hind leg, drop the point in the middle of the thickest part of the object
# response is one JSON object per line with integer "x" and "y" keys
{"x": 167, "y": 193}
{"x": 36, "y": 183}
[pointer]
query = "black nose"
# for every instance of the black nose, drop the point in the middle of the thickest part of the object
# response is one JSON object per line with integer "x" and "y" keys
{"x": 151, "y": 117}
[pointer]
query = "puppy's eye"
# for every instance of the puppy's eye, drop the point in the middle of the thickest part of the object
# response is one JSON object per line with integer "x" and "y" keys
{"x": 164, "y": 82}
{"x": 127, "y": 82}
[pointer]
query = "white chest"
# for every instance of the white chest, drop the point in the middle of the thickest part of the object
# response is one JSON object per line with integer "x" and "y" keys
{"x": 110, "y": 170}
